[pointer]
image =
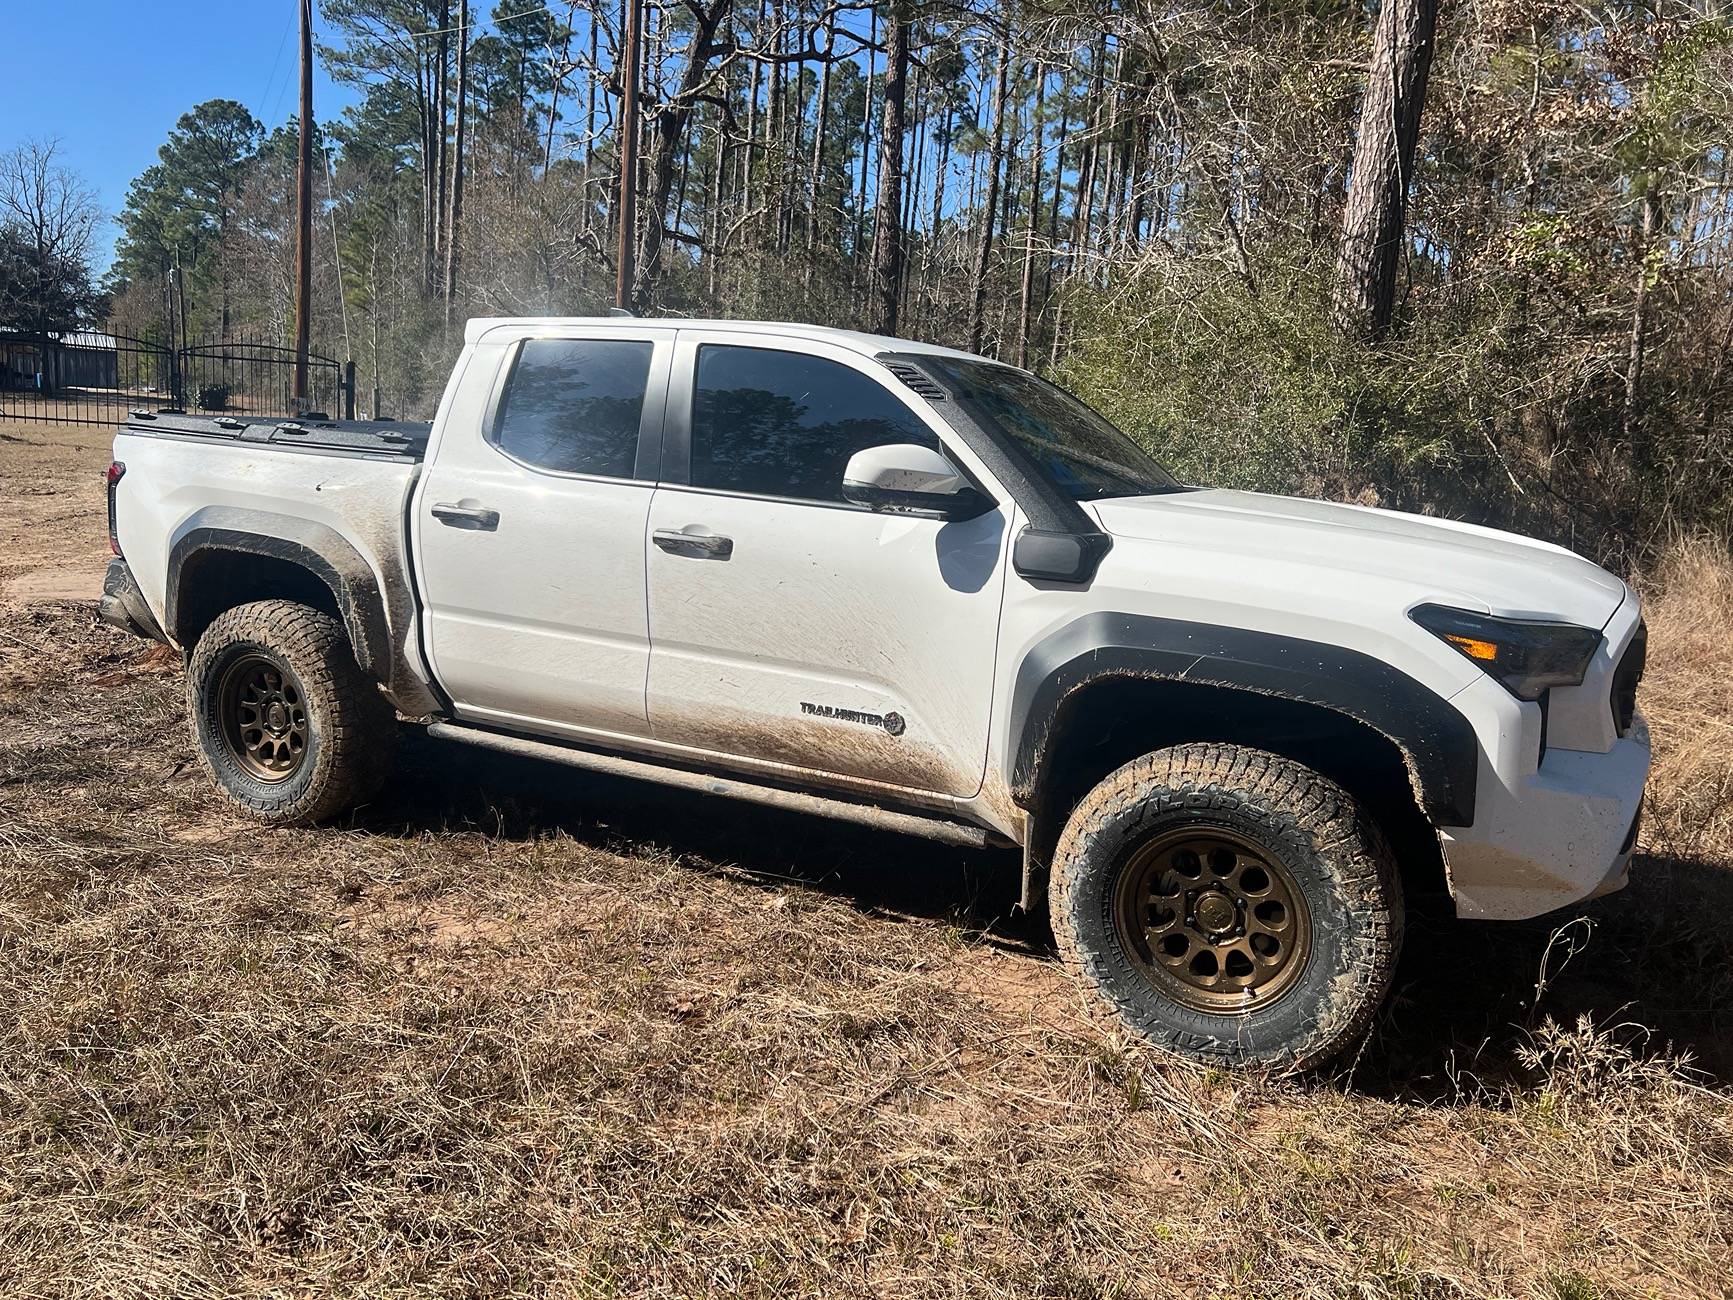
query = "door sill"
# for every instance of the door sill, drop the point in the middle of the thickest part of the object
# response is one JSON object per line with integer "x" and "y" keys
{"x": 945, "y": 830}
{"x": 741, "y": 767}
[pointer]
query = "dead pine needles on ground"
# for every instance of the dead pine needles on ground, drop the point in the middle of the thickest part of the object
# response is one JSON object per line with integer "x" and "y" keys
{"x": 514, "y": 1031}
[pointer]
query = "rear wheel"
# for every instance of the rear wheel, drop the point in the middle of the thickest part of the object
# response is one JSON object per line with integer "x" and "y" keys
{"x": 1229, "y": 905}
{"x": 287, "y": 724}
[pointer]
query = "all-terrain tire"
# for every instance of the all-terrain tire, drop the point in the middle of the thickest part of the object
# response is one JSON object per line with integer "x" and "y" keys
{"x": 1338, "y": 867}
{"x": 347, "y": 729}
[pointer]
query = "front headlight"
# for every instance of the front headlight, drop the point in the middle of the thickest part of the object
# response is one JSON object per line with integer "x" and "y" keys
{"x": 1524, "y": 658}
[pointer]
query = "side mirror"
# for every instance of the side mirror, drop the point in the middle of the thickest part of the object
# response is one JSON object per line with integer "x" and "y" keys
{"x": 904, "y": 476}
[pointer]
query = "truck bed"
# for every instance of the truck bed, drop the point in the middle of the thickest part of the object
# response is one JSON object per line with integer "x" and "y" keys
{"x": 397, "y": 440}
{"x": 340, "y": 485}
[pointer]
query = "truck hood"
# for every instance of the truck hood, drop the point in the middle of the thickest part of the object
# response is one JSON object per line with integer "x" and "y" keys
{"x": 1455, "y": 563}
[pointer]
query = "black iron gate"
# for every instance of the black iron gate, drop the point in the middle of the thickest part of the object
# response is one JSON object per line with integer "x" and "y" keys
{"x": 92, "y": 377}
{"x": 254, "y": 378}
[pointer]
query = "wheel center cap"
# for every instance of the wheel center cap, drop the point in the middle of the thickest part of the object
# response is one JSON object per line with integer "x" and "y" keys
{"x": 277, "y": 717}
{"x": 1216, "y": 913}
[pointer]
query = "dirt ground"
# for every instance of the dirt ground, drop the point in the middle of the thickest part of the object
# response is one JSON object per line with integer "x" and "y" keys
{"x": 513, "y": 1030}
{"x": 56, "y": 535}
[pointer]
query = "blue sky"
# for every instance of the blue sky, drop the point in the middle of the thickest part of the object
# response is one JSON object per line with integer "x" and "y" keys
{"x": 109, "y": 77}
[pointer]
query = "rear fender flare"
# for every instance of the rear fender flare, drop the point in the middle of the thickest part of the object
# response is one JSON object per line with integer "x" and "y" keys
{"x": 317, "y": 548}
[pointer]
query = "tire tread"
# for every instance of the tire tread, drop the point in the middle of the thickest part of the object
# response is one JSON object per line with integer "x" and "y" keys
{"x": 1287, "y": 797}
{"x": 356, "y": 733}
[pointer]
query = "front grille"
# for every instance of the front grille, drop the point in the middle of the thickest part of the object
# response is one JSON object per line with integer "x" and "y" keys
{"x": 1626, "y": 678}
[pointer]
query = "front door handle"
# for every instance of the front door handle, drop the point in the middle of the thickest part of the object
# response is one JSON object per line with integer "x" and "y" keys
{"x": 466, "y": 514}
{"x": 693, "y": 545}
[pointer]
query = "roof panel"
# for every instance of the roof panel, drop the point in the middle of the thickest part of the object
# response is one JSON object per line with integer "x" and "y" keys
{"x": 866, "y": 344}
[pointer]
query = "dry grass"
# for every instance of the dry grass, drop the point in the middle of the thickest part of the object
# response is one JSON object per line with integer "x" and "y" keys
{"x": 1689, "y": 701}
{"x": 516, "y": 1031}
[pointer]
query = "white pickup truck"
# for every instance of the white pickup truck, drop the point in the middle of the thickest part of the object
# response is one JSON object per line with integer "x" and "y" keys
{"x": 878, "y": 580}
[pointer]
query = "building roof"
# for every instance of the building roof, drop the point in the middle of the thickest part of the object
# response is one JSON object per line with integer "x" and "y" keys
{"x": 854, "y": 340}
{"x": 85, "y": 339}
{"x": 66, "y": 338}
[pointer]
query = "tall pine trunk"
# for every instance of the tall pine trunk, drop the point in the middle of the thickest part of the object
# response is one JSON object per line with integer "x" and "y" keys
{"x": 815, "y": 181}
{"x": 668, "y": 141}
{"x": 1650, "y": 210}
{"x": 442, "y": 96}
{"x": 1026, "y": 289}
{"x": 453, "y": 226}
{"x": 424, "y": 102}
{"x": 1383, "y": 168}
{"x": 990, "y": 206}
{"x": 866, "y": 147}
{"x": 887, "y": 281}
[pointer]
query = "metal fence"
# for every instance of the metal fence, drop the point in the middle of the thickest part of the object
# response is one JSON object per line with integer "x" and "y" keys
{"x": 254, "y": 378}
{"x": 90, "y": 377}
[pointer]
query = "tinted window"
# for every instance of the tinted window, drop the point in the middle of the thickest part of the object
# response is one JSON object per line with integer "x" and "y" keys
{"x": 573, "y": 405}
{"x": 1065, "y": 440}
{"x": 782, "y": 424}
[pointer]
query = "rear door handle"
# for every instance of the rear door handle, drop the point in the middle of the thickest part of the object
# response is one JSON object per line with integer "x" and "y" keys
{"x": 693, "y": 545}
{"x": 466, "y": 514}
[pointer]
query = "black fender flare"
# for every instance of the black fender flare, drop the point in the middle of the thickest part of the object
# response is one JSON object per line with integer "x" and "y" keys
{"x": 1436, "y": 741}
{"x": 315, "y": 547}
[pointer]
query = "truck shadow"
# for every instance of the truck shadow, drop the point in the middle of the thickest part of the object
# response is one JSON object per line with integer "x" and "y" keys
{"x": 1652, "y": 966}
{"x": 443, "y": 785}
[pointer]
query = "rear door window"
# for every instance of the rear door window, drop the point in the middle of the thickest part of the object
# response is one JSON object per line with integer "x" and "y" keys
{"x": 573, "y": 406}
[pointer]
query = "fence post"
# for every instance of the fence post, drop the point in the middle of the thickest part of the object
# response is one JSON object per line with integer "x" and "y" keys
{"x": 348, "y": 390}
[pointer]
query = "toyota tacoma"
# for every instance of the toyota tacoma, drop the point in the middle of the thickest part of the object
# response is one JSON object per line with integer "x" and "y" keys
{"x": 878, "y": 580}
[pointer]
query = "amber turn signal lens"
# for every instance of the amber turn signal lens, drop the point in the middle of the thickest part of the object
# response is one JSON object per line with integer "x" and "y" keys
{"x": 1526, "y": 658}
{"x": 1485, "y": 651}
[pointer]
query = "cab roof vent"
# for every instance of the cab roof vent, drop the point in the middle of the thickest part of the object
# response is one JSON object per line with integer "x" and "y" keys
{"x": 916, "y": 380}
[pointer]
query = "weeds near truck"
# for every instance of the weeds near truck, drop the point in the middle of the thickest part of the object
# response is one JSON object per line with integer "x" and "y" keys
{"x": 1689, "y": 701}
{"x": 519, "y": 1031}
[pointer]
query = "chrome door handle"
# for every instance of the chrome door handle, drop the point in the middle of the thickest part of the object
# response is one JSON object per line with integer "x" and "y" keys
{"x": 463, "y": 514}
{"x": 697, "y": 546}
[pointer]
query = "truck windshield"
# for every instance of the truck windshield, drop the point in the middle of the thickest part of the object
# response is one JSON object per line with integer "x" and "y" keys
{"x": 1068, "y": 443}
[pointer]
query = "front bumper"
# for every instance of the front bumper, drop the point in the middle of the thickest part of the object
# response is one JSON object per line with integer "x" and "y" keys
{"x": 123, "y": 604}
{"x": 1557, "y": 836}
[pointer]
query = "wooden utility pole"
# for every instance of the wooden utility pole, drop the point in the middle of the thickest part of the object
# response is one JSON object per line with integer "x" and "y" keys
{"x": 628, "y": 224}
{"x": 304, "y": 214}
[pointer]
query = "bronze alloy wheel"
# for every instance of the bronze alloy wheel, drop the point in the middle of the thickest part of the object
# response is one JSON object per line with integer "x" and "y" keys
{"x": 263, "y": 712}
{"x": 1216, "y": 924}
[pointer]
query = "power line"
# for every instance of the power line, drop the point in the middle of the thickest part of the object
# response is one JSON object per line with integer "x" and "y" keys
{"x": 497, "y": 22}
{"x": 276, "y": 62}
{"x": 281, "y": 91}
{"x": 336, "y": 250}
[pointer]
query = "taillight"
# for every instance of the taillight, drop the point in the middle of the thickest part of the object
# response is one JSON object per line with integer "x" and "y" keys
{"x": 116, "y": 471}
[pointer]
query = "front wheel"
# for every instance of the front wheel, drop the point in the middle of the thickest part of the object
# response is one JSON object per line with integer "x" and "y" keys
{"x": 1230, "y": 905}
{"x": 287, "y": 724}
